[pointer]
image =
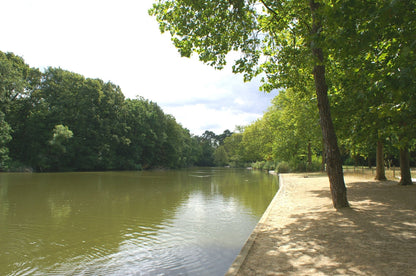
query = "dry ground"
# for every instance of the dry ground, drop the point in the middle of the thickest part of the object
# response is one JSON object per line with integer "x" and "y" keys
{"x": 302, "y": 234}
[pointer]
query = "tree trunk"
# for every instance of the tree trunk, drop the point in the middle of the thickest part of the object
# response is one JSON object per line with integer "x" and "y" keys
{"x": 323, "y": 157}
{"x": 370, "y": 165}
{"x": 309, "y": 164}
{"x": 355, "y": 157}
{"x": 380, "y": 172}
{"x": 406, "y": 178}
{"x": 334, "y": 162}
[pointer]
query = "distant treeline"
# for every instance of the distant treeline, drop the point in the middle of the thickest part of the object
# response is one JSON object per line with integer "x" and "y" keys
{"x": 58, "y": 120}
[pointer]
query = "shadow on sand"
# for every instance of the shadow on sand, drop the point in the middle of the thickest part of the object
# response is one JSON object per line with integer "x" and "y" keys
{"x": 376, "y": 236}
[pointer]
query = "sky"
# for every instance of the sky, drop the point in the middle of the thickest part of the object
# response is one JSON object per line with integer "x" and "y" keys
{"x": 117, "y": 41}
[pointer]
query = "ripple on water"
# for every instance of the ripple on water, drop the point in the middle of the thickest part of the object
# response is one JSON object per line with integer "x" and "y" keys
{"x": 170, "y": 248}
{"x": 199, "y": 234}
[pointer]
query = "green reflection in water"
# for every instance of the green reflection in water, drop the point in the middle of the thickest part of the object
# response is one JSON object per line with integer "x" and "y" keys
{"x": 152, "y": 222}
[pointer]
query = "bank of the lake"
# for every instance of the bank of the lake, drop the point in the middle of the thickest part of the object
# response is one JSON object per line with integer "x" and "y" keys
{"x": 302, "y": 234}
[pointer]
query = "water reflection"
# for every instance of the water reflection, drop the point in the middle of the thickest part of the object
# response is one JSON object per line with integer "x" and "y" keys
{"x": 124, "y": 223}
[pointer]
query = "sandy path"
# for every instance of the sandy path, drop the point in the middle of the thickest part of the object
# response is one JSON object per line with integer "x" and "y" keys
{"x": 302, "y": 234}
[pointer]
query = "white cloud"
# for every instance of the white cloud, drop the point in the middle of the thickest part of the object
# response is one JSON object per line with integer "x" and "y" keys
{"x": 200, "y": 117}
{"x": 118, "y": 41}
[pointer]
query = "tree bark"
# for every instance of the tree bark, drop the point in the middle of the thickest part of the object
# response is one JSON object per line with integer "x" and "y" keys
{"x": 370, "y": 165}
{"x": 380, "y": 172}
{"x": 309, "y": 164}
{"x": 323, "y": 163}
{"x": 406, "y": 178}
{"x": 334, "y": 162}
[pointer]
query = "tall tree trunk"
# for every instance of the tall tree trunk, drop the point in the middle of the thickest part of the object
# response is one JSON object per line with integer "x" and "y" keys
{"x": 370, "y": 165}
{"x": 334, "y": 162}
{"x": 309, "y": 164}
{"x": 323, "y": 156}
{"x": 380, "y": 172}
{"x": 355, "y": 158}
{"x": 406, "y": 178}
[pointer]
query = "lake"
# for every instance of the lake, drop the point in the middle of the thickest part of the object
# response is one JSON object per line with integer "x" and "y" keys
{"x": 173, "y": 222}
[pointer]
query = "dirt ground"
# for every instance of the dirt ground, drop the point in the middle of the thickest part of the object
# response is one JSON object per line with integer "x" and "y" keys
{"x": 302, "y": 234}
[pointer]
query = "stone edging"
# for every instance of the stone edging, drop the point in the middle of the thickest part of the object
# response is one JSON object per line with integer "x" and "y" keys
{"x": 241, "y": 257}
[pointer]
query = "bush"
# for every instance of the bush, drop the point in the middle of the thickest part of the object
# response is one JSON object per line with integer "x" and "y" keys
{"x": 283, "y": 167}
{"x": 316, "y": 165}
{"x": 258, "y": 165}
{"x": 302, "y": 166}
{"x": 239, "y": 164}
{"x": 264, "y": 165}
{"x": 16, "y": 166}
{"x": 269, "y": 165}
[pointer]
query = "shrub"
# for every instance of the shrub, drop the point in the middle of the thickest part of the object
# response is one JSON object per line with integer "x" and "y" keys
{"x": 283, "y": 167}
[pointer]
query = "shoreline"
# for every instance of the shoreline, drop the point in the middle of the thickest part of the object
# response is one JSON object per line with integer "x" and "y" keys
{"x": 300, "y": 232}
{"x": 241, "y": 257}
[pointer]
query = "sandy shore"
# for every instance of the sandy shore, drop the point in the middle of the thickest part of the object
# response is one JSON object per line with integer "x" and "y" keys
{"x": 302, "y": 234}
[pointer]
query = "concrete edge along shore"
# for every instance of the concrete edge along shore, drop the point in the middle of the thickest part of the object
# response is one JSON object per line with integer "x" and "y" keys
{"x": 241, "y": 257}
{"x": 300, "y": 232}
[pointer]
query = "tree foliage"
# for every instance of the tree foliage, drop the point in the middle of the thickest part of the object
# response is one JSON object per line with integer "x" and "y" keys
{"x": 360, "y": 53}
{"x": 373, "y": 74}
{"x": 5, "y": 137}
{"x": 58, "y": 120}
{"x": 279, "y": 39}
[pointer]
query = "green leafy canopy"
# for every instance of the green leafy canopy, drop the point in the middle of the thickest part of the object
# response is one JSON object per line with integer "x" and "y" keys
{"x": 268, "y": 35}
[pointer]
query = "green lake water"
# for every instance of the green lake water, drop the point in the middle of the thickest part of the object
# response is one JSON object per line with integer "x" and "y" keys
{"x": 175, "y": 222}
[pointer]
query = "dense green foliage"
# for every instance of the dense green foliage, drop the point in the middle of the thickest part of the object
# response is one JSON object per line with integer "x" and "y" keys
{"x": 280, "y": 40}
{"x": 61, "y": 121}
{"x": 287, "y": 137}
{"x": 358, "y": 56}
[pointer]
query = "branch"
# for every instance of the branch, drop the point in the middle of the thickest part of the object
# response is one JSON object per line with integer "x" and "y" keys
{"x": 269, "y": 9}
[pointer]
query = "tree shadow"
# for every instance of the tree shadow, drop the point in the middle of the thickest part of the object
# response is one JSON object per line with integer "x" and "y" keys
{"x": 377, "y": 236}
